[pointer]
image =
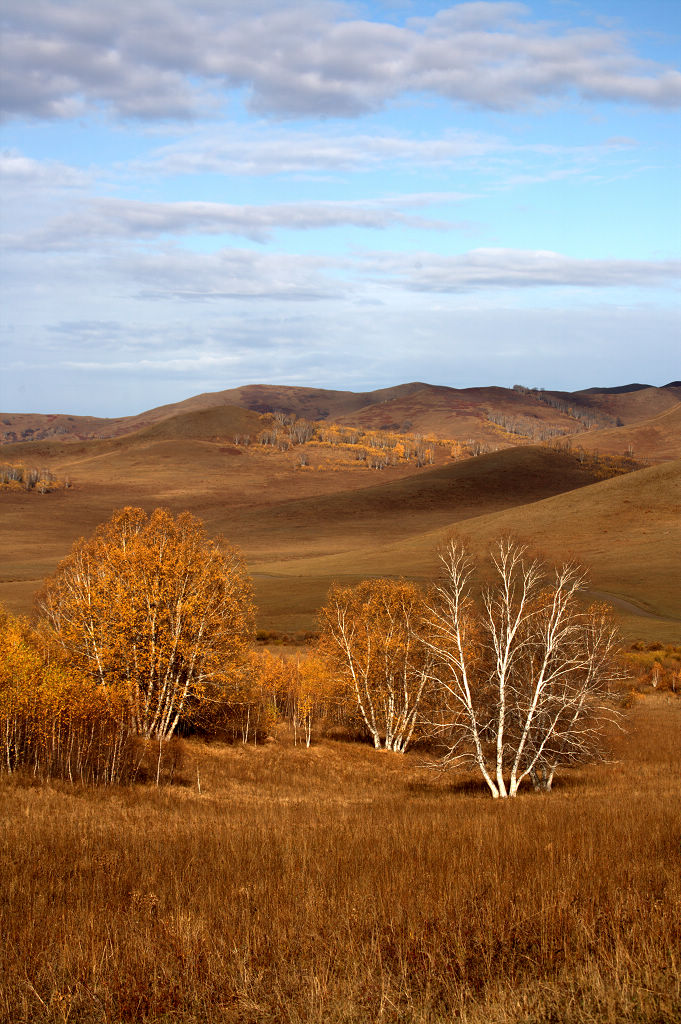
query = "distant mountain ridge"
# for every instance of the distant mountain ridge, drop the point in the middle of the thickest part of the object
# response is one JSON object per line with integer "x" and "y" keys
{"x": 494, "y": 415}
{"x": 621, "y": 390}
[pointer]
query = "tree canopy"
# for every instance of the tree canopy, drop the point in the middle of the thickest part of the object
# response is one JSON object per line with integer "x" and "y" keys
{"x": 151, "y": 604}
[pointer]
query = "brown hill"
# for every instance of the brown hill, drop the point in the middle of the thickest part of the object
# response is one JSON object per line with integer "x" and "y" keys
{"x": 657, "y": 439}
{"x": 628, "y": 404}
{"x": 492, "y": 417}
{"x": 219, "y": 422}
{"x": 312, "y": 403}
{"x": 425, "y": 500}
{"x": 258, "y": 498}
{"x": 625, "y": 530}
{"x": 301, "y": 529}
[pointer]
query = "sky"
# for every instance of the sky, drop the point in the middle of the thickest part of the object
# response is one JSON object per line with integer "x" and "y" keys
{"x": 202, "y": 194}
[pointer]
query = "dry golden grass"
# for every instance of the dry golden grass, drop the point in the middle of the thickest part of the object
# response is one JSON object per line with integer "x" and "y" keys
{"x": 625, "y": 530}
{"x": 343, "y": 885}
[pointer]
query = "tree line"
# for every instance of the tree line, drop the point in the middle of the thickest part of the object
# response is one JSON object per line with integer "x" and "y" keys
{"x": 30, "y": 478}
{"x": 146, "y": 629}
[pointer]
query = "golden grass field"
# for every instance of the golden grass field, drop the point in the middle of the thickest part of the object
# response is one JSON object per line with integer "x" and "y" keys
{"x": 340, "y": 885}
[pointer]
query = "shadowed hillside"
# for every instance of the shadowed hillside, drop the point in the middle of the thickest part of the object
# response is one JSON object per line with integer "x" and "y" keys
{"x": 446, "y": 494}
{"x": 625, "y": 530}
{"x": 630, "y": 405}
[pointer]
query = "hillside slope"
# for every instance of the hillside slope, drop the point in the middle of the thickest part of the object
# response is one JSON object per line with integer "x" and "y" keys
{"x": 492, "y": 415}
{"x": 657, "y": 439}
{"x": 626, "y": 531}
{"x": 301, "y": 527}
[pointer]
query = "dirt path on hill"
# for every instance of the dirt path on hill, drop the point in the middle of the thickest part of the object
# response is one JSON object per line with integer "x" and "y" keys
{"x": 627, "y": 606}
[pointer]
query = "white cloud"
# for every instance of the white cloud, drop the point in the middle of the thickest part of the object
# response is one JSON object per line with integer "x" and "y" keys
{"x": 16, "y": 169}
{"x": 512, "y": 268}
{"x": 161, "y": 60}
{"x": 226, "y": 275}
{"x": 101, "y": 219}
{"x": 264, "y": 150}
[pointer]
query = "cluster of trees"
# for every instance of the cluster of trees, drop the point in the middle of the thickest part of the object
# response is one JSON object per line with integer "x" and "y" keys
{"x": 29, "y": 478}
{"x": 147, "y": 628}
{"x": 378, "y": 449}
{"x": 145, "y": 621}
{"x": 602, "y": 466}
{"x": 375, "y": 448}
{"x": 516, "y": 683}
{"x": 656, "y": 665}
{"x": 535, "y": 429}
{"x": 589, "y": 418}
{"x": 55, "y": 721}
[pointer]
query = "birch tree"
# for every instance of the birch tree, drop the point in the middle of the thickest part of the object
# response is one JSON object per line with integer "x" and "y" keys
{"x": 371, "y": 633}
{"x": 523, "y": 674}
{"x": 152, "y": 604}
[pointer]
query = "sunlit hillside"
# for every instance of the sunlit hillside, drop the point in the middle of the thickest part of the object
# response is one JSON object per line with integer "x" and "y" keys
{"x": 315, "y": 491}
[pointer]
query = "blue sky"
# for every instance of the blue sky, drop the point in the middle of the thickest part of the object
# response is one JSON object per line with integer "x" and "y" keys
{"x": 203, "y": 194}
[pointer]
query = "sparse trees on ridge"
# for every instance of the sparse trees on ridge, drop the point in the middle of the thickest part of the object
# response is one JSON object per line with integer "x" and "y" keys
{"x": 522, "y": 676}
{"x": 151, "y": 604}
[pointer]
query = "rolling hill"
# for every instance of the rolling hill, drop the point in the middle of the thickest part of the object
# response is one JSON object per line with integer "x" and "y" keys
{"x": 626, "y": 531}
{"x": 300, "y": 527}
{"x": 494, "y": 415}
{"x": 656, "y": 439}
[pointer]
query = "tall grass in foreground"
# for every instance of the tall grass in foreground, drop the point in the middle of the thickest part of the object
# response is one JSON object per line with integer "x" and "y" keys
{"x": 338, "y": 884}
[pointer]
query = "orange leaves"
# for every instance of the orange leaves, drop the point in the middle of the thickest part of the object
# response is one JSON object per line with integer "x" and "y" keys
{"x": 302, "y": 689}
{"x": 152, "y": 605}
{"x": 29, "y": 478}
{"x": 372, "y": 633}
{"x": 52, "y": 721}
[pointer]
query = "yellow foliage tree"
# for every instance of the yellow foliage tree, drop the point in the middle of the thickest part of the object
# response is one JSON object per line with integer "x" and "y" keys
{"x": 150, "y": 604}
{"x": 372, "y": 633}
{"x": 314, "y": 688}
{"x": 52, "y": 721}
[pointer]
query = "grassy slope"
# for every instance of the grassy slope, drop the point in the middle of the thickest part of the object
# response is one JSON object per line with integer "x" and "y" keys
{"x": 258, "y": 499}
{"x": 626, "y": 530}
{"x": 631, "y": 406}
{"x": 340, "y": 885}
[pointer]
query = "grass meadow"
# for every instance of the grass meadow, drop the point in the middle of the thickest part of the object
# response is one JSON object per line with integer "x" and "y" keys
{"x": 340, "y": 884}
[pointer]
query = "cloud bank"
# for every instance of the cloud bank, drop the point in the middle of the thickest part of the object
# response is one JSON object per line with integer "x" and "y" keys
{"x": 173, "y": 59}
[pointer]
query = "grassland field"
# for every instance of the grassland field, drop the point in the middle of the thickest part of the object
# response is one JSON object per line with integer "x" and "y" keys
{"x": 340, "y": 885}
